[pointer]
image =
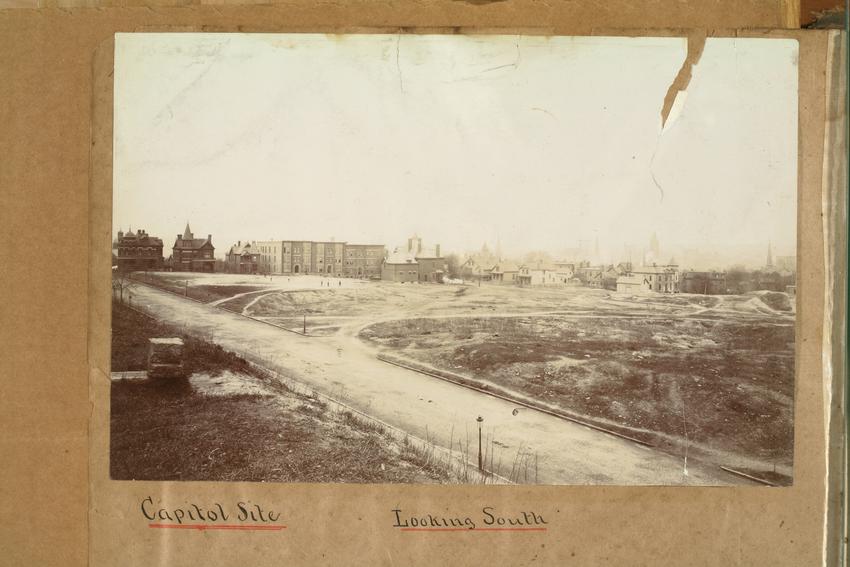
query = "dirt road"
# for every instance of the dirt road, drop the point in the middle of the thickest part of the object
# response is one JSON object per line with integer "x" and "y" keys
{"x": 566, "y": 453}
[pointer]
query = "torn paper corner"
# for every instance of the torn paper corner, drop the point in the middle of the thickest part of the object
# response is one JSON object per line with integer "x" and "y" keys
{"x": 675, "y": 93}
{"x": 675, "y": 110}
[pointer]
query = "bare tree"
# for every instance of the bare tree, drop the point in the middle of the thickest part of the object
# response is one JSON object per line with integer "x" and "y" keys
{"x": 121, "y": 282}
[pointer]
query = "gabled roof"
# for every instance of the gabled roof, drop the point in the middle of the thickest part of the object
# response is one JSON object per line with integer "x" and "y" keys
{"x": 192, "y": 244}
{"x": 240, "y": 249}
{"x": 401, "y": 257}
{"x": 188, "y": 241}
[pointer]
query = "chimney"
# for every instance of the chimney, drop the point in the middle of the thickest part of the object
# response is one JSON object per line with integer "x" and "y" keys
{"x": 418, "y": 245}
{"x": 409, "y": 244}
{"x": 209, "y": 237}
{"x": 438, "y": 251}
{"x": 238, "y": 243}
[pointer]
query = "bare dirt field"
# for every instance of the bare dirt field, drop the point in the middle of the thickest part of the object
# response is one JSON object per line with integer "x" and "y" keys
{"x": 713, "y": 374}
{"x": 725, "y": 386}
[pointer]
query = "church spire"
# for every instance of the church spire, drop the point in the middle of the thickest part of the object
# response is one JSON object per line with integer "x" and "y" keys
{"x": 187, "y": 234}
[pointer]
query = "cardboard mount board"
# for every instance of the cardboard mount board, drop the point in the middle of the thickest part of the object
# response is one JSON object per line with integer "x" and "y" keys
{"x": 767, "y": 14}
{"x": 336, "y": 517}
{"x": 53, "y": 96}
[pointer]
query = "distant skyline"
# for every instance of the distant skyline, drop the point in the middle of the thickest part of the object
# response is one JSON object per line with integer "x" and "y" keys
{"x": 537, "y": 143}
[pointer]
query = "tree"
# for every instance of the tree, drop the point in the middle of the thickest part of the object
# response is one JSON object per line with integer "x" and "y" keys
{"x": 121, "y": 282}
{"x": 453, "y": 266}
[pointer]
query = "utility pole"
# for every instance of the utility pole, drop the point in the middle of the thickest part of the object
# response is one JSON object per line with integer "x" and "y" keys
{"x": 305, "y": 323}
{"x": 480, "y": 420}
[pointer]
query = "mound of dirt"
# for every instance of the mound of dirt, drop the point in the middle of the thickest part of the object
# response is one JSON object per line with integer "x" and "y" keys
{"x": 776, "y": 300}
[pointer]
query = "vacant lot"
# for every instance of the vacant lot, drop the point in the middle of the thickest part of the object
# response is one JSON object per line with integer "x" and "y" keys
{"x": 228, "y": 422}
{"x": 724, "y": 386}
{"x": 712, "y": 376}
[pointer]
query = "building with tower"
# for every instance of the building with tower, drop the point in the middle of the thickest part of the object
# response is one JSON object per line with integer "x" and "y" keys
{"x": 136, "y": 251}
{"x": 190, "y": 254}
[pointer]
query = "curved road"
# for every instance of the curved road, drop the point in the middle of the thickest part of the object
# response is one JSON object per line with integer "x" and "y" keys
{"x": 566, "y": 452}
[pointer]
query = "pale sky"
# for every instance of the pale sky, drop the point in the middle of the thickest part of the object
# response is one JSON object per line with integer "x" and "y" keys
{"x": 537, "y": 142}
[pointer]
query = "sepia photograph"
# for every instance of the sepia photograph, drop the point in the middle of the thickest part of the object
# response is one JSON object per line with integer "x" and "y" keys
{"x": 453, "y": 259}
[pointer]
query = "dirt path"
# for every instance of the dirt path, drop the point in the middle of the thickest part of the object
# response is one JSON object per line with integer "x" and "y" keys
{"x": 566, "y": 453}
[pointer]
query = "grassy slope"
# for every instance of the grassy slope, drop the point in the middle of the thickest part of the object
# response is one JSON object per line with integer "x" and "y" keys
{"x": 170, "y": 431}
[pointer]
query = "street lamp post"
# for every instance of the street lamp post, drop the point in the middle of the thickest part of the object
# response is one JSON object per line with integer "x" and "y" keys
{"x": 480, "y": 420}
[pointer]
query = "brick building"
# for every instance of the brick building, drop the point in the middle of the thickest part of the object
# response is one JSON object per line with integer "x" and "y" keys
{"x": 416, "y": 263}
{"x": 338, "y": 259}
{"x": 191, "y": 254}
{"x": 137, "y": 251}
{"x": 400, "y": 266}
{"x": 363, "y": 260}
{"x": 241, "y": 259}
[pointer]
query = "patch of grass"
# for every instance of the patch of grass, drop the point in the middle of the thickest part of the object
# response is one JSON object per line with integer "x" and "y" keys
{"x": 130, "y": 333}
{"x": 169, "y": 432}
{"x": 204, "y": 293}
{"x": 131, "y": 330}
{"x": 166, "y": 430}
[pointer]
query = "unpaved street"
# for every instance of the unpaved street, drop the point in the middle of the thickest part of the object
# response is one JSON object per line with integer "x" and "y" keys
{"x": 566, "y": 453}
